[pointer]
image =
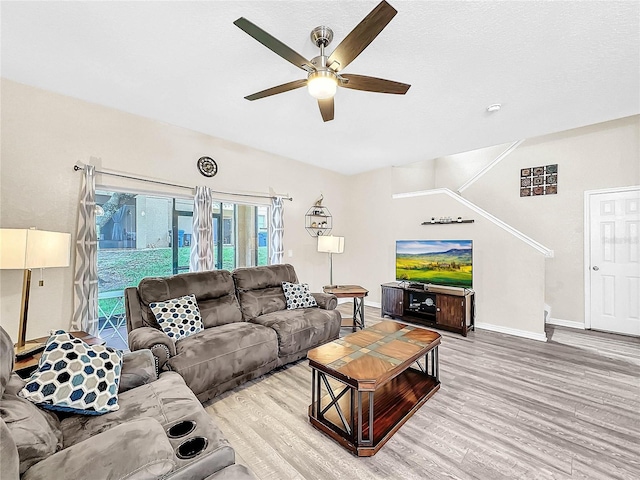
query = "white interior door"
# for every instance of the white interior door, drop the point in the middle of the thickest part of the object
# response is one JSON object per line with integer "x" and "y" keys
{"x": 614, "y": 261}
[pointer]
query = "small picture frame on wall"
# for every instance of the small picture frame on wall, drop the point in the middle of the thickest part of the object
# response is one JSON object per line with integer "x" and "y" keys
{"x": 537, "y": 181}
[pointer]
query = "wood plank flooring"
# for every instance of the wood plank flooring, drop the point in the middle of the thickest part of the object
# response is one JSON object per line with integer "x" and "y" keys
{"x": 508, "y": 408}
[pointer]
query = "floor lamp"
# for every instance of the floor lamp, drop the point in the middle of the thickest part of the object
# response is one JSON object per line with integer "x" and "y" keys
{"x": 26, "y": 249}
{"x": 330, "y": 244}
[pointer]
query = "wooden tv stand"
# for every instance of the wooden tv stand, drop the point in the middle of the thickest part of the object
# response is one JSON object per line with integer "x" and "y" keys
{"x": 434, "y": 306}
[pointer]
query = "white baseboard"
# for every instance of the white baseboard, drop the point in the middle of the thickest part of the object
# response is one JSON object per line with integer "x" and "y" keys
{"x": 541, "y": 337}
{"x": 565, "y": 323}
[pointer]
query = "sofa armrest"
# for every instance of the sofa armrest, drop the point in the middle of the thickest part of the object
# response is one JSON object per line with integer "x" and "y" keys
{"x": 327, "y": 301}
{"x": 138, "y": 368}
{"x": 160, "y": 344}
{"x": 136, "y": 449}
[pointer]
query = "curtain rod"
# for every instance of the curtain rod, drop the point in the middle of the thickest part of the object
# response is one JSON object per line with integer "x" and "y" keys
{"x": 140, "y": 179}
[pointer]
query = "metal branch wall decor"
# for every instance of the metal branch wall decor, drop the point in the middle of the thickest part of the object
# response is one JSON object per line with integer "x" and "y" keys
{"x": 539, "y": 180}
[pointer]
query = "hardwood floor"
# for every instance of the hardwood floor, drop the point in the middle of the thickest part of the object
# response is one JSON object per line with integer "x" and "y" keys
{"x": 507, "y": 408}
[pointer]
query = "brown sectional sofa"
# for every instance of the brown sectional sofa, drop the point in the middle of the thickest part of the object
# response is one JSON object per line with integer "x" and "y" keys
{"x": 247, "y": 329}
{"x": 135, "y": 441}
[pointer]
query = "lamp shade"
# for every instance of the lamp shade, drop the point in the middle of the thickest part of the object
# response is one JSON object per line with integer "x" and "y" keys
{"x": 330, "y": 244}
{"x": 22, "y": 248}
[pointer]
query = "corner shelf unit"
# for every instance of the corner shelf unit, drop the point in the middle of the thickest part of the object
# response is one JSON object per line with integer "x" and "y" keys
{"x": 318, "y": 221}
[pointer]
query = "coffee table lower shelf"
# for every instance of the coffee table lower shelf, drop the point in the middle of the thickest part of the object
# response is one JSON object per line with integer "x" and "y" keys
{"x": 393, "y": 404}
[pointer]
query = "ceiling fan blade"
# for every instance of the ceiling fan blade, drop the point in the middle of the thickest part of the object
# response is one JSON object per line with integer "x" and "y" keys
{"x": 373, "y": 84}
{"x": 274, "y": 44}
{"x": 326, "y": 108}
{"x": 285, "y": 87}
{"x": 361, "y": 36}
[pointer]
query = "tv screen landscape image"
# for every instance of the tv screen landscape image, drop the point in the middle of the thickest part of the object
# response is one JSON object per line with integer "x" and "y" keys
{"x": 443, "y": 262}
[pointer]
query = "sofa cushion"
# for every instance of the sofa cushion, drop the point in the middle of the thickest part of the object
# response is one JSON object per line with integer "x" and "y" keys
{"x": 138, "y": 449}
{"x": 169, "y": 401}
{"x": 260, "y": 288}
{"x": 75, "y": 377}
{"x": 178, "y": 317}
{"x": 214, "y": 291}
{"x": 298, "y": 295}
{"x": 6, "y": 359}
{"x": 9, "y": 460}
{"x": 302, "y": 329}
{"x": 219, "y": 354}
{"x": 35, "y": 432}
{"x": 138, "y": 368}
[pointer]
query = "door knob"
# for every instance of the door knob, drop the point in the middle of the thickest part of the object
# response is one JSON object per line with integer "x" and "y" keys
{"x": 596, "y": 268}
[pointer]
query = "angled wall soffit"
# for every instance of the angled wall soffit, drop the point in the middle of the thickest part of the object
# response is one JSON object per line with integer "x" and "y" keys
{"x": 493, "y": 163}
{"x": 547, "y": 252}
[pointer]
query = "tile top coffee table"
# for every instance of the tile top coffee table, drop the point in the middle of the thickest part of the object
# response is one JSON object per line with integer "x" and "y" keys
{"x": 386, "y": 372}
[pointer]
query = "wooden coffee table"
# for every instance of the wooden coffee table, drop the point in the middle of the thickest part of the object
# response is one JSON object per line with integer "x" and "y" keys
{"x": 386, "y": 373}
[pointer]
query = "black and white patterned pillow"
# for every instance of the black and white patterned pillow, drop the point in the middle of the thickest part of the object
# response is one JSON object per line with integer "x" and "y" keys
{"x": 73, "y": 376}
{"x": 298, "y": 295}
{"x": 178, "y": 317}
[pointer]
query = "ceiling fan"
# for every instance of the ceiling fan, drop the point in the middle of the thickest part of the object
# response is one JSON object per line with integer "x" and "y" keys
{"x": 323, "y": 75}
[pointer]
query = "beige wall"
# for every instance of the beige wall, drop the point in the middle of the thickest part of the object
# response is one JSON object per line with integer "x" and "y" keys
{"x": 45, "y": 134}
{"x": 594, "y": 157}
{"x": 508, "y": 274}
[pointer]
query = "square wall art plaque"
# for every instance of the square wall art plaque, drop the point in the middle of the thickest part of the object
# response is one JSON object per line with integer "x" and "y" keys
{"x": 536, "y": 181}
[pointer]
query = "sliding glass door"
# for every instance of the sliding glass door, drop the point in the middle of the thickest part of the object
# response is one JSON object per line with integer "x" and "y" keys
{"x": 143, "y": 235}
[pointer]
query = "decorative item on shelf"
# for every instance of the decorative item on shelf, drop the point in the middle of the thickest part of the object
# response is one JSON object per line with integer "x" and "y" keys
{"x": 446, "y": 221}
{"x": 330, "y": 244}
{"x": 25, "y": 249}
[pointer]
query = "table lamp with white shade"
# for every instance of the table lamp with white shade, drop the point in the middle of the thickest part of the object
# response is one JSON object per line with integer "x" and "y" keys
{"x": 330, "y": 244}
{"x": 26, "y": 249}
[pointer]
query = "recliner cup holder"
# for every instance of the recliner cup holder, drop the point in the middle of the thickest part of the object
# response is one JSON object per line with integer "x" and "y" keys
{"x": 181, "y": 429}
{"x": 191, "y": 448}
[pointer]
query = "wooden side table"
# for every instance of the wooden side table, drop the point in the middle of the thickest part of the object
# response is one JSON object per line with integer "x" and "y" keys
{"x": 27, "y": 365}
{"x": 357, "y": 293}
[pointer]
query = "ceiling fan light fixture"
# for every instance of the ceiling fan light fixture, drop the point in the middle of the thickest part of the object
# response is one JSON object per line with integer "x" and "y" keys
{"x": 322, "y": 84}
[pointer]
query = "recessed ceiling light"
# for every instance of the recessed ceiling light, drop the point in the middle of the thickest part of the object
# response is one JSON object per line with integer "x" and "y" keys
{"x": 494, "y": 108}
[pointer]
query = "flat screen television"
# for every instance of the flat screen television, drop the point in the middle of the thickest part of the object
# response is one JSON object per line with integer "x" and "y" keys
{"x": 441, "y": 262}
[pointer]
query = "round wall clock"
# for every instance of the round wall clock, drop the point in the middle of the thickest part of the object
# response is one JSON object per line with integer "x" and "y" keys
{"x": 207, "y": 166}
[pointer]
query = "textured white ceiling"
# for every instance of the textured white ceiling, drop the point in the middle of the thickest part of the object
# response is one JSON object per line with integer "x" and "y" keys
{"x": 552, "y": 65}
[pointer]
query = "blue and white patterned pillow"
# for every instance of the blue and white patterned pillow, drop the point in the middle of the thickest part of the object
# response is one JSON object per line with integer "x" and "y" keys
{"x": 73, "y": 376}
{"x": 298, "y": 295}
{"x": 178, "y": 317}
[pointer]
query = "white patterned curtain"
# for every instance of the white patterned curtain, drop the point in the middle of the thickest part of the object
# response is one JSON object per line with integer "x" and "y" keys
{"x": 85, "y": 312}
{"x": 277, "y": 231}
{"x": 201, "y": 258}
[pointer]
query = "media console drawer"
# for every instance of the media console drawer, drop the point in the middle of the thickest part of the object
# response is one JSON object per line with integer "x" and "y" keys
{"x": 439, "y": 307}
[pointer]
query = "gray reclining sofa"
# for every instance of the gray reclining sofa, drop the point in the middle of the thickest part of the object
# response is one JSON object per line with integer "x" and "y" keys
{"x": 134, "y": 442}
{"x": 248, "y": 330}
